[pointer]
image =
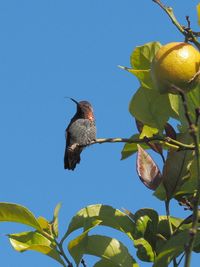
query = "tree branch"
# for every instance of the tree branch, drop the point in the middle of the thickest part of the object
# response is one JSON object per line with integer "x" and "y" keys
{"x": 186, "y": 31}
{"x": 165, "y": 140}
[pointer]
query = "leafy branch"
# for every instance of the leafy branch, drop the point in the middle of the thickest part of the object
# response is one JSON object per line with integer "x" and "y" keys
{"x": 193, "y": 129}
{"x": 194, "y": 132}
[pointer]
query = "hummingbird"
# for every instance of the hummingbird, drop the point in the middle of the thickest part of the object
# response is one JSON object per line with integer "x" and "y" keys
{"x": 79, "y": 133}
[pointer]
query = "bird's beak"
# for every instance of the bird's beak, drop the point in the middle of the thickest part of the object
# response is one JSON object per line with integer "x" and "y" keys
{"x": 74, "y": 101}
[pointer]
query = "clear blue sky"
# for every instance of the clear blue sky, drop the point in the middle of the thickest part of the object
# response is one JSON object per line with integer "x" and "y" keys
{"x": 52, "y": 49}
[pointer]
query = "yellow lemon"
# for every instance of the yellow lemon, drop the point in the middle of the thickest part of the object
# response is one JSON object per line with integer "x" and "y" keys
{"x": 176, "y": 64}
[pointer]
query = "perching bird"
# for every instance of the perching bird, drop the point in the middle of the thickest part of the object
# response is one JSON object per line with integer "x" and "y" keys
{"x": 79, "y": 133}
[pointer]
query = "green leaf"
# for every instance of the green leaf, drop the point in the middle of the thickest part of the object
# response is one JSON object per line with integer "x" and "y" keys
{"x": 176, "y": 169}
{"x": 130, "y": 148}
{"x": 106, "y": 214}
{"x": 160, "y": 192}
{"x": 173, "y": 248}
{"x": 198, "y": 13}
{"x": 107, "y": 248}
{"x": 55, "y": 220}
{"x": 105, "y": 263}
{"x": 175, "y": 103}
{"x": 144, "y": 76}
{"x": 190, "y": 186}
{"x": 10, "y": 212}
{"x": 148, "y": 131}
{"x": 140, "y": 60}
{"x": 145, "y": 251}
{"x": 193, "y": 102}
{"x": 163, "y": 225}
{"x": 34, "y": 241}
{"x": 142, "y": 56}
{"x": 44, "y": 224}
{"x": 150, "y": 107}
{"x": 146, "y": 221}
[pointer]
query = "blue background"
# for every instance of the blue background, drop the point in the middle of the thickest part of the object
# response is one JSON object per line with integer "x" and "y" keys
{"x": 52, "y": 49}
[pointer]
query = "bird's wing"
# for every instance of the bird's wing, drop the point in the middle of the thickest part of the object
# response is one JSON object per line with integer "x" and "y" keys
{"x": 81, "y": 132}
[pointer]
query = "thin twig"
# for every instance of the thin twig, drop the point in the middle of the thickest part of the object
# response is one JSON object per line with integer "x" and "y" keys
{"x": 187, "y": 32}
{"x": 179, "y": 262}
{"x": 59, "y": 246}
{"x": 83, "y": 263}
{"x": 166, "y": 140}
{"x": 62, "y": 253}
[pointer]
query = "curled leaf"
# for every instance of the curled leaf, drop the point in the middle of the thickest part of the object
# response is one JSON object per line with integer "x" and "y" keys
{"x": 147, "y": 169}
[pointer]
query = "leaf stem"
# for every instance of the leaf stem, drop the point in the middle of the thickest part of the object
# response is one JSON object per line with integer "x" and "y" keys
{"x": 60, "y": 248}
{"x": 62, "y": 253}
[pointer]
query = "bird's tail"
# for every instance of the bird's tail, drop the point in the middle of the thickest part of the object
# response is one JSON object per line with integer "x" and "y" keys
{"x": 72, "y": 156}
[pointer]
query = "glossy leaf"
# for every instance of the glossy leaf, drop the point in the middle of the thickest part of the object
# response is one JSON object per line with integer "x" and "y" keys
{"x": 107, "y": 248}
{"x": 10, "y": 212}
{"x": 144, "y": 77}
{"x": 131, "y": 148}
{"x": 164, "y": 230}
{"x": 193, "y": 100}
{"x": 106, "y": 214}
{"x": 34, "y": 241}
{"x": 145, "y": 251}
{"x": 148, "y": 131}
{"x": 160, "y": 192}
{"x": 173, "y": 248}
{"x": 151, "y": 108}
{"x": 105, "y": 263}
{"x": 44, "y": 224}
{"x": 163, "y": 225}
{"x": 142, "y": 56}
{"x": 146, "y": 222}
{"x": 147, "y": 169}
{"x": 176, "y": 170}
{"x": 175, "y": 103}
{"x": 190, "y": 186}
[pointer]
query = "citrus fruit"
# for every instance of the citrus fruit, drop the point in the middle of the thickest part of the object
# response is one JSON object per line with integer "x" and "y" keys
{"x": 176, "y": 64}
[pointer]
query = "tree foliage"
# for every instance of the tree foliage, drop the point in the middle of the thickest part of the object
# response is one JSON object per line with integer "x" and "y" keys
{"x": 157, "y": 239}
